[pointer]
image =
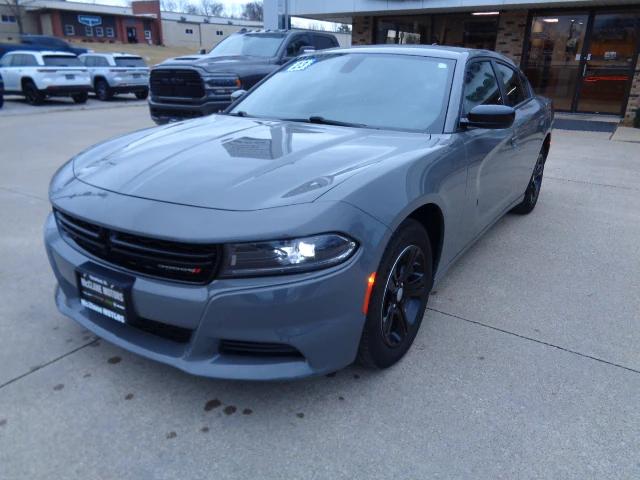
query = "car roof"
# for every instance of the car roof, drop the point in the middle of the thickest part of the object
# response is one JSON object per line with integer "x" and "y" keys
{"x": 440, "y": 51}
{"x": 283, "y": 32}
{"x": 43, "y": 52}
{"x": 111, "y": 54}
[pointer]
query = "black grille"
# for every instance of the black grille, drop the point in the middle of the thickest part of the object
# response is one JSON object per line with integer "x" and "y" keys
{"x": 176, "y": 83}
{"x": 160, "y": 112}
{"x": 193, "y": 263}
{"x": 258, "y": 349}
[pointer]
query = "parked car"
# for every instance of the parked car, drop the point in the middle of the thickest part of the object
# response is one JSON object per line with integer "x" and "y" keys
{"x": 38, "y": 75}
{"x": 113, "y": 73}
{"x": 1, "y": 91}
{"x": 304, "y": 228}
{"x": 40, "y": 42}
{"x": 196, "y": 85}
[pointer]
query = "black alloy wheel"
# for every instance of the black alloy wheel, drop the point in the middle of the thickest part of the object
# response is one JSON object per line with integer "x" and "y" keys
{"x": 533, "y": 189}
{"x": 399, "y": 297}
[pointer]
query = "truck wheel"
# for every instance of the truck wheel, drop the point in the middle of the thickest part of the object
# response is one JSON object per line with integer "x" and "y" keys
{"x": 103, "y": 92}
{"x": 143, "y": 94}
{"x": 32, "y": 94}
{"x": 80, "y": 97}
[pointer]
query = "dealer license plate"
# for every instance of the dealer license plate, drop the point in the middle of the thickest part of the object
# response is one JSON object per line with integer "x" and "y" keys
{"x": 104, "y": 294}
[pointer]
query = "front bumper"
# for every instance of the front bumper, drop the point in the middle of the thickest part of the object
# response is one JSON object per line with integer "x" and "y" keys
{"x": 319, "y": 314}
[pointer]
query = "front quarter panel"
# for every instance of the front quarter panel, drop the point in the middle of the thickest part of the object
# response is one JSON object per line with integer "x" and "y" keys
{"x": 434, "y": 174}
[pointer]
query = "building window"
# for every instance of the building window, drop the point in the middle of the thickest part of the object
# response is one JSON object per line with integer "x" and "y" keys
{"x": 69, "y": 30}
{"x": 188, "y": 31}
{"x": 219, "y": 32}
{"x": 147, "y": 34}
{"x": 88, "y": 31}
{"x": 99, "y": 32}
{"x": 8, "y": 19}
{"x": 109, "y": 31}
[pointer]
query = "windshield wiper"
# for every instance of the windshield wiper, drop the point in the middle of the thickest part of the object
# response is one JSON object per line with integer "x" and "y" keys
{"x": 326, "y": 121}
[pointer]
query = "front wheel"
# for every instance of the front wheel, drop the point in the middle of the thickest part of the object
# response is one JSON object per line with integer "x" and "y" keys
{"x": 533, "y": 189}
{"x": 399, "y": 297}
{"x": 80, "y": 97}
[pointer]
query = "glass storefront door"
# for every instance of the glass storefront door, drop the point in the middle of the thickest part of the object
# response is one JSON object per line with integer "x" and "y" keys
{"x": 609, "y": 62}
{"x": 555, "y": 55}
{"x": 583, "y": 60}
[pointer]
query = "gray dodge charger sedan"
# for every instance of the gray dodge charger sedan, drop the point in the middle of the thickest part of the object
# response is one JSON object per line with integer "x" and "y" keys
{"x": 303, "y": 229}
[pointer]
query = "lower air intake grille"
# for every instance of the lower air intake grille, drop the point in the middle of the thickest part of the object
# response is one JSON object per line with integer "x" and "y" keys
{"x": 257, "y": 349}
{"x": 185, "y": 262}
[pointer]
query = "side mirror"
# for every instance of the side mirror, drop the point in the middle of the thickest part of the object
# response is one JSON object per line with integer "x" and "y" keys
{"x": 238, "y": 94}
{"x": 490, "y": 116}
{"x": 202, "y": 51}
{"x": 306, "y": 49}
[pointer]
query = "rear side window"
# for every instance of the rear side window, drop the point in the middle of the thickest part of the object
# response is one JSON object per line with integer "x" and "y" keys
{"x": 480, "y": 87}
{"x": 61, "y": 61}
{"x": 322, "y": 42}
{"x": 511, "y": 83}
{"x": 130, "y": 62}
{"x": 88, "y": 61}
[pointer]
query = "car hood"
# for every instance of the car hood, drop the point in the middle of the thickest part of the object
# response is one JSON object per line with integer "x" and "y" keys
{"x": 212, "y": 63}
{"x": 234, "y": 163}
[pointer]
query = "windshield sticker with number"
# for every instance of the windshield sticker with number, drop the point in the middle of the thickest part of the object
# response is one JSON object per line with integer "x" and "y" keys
{"x": 301, "y": 64}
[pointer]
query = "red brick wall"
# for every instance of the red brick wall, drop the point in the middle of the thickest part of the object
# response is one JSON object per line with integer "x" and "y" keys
{"x": 153, "y": 7}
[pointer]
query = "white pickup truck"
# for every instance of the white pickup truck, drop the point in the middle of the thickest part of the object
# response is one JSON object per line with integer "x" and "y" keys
{"x": 38, "y": 75}
{"x": 113, "y": 73}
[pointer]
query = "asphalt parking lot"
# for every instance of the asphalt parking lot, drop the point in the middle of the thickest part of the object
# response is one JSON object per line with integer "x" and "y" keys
{"x": 527, "y": 364}
{"x": 17, "y": 105}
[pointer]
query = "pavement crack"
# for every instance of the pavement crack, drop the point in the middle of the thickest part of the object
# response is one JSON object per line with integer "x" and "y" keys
{"x": 595, "y": 184}
{"x": 541, "y": 342}
{"x": 30, "y": 195}
{"x": 50, "y": 362}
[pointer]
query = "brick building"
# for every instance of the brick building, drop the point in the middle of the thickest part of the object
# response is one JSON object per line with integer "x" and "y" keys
{"x": 581, "y": 53}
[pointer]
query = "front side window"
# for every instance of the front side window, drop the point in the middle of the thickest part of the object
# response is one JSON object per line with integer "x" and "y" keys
{"x": 296, "y": 43}
{"x": 61, "y": 61}
{"x": 323, "y": 42}
{"x": 29, "y": 61}
{"x": 6, "y": 61}
{"x": 402, "y": 92}
{"x": 511, "y": 83}
{"x": 253, "y": 45}
{"x": 480, "y": 87}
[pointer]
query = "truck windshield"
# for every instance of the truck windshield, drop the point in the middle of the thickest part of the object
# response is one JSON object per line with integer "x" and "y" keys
{"x": 130, "y": 62}
{"x": 254, "y": 45}
{"x": 400, "y": 92}
{"x": 62, "y": 61}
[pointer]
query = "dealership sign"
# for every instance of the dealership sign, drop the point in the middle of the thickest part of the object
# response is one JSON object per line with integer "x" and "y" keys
{"x": 89, "y": 20}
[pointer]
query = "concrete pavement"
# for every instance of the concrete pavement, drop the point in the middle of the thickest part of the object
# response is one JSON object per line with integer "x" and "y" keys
{"x": 526, "y": 365}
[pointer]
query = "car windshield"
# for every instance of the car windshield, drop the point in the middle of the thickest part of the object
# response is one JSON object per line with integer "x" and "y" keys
{"x": 404, "y": 92}
{"x": 62, "y": 61}
{"x": 130, "y": 62}
{"x": 255, "y": 45}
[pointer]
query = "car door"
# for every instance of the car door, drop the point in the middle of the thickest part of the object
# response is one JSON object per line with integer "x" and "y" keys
{"x": 490, "y": 152}
{"x": 10, "y": 73}
{"x": 528, "y": 126}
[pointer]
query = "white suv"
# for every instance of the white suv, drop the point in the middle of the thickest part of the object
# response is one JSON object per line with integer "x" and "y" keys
{"x": 113, "y": 73}
{"x": 38, "y": 75}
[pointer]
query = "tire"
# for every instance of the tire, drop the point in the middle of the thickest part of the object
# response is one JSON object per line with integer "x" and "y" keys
{"x": 142, "y": 95}
{"x": 80, "y": 97}
{"x": 533, "y": 189}
{"x": 398, "y": 294}
{"x": 32, "y": 94}
{"x": 103, "y": 91}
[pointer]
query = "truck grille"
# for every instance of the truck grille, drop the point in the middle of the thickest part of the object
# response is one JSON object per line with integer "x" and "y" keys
{"x": 192, "y": 263}
{"x": 176, "y": 83}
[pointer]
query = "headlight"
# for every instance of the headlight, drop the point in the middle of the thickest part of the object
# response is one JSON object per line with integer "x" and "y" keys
{"x": 286, "y": 256}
